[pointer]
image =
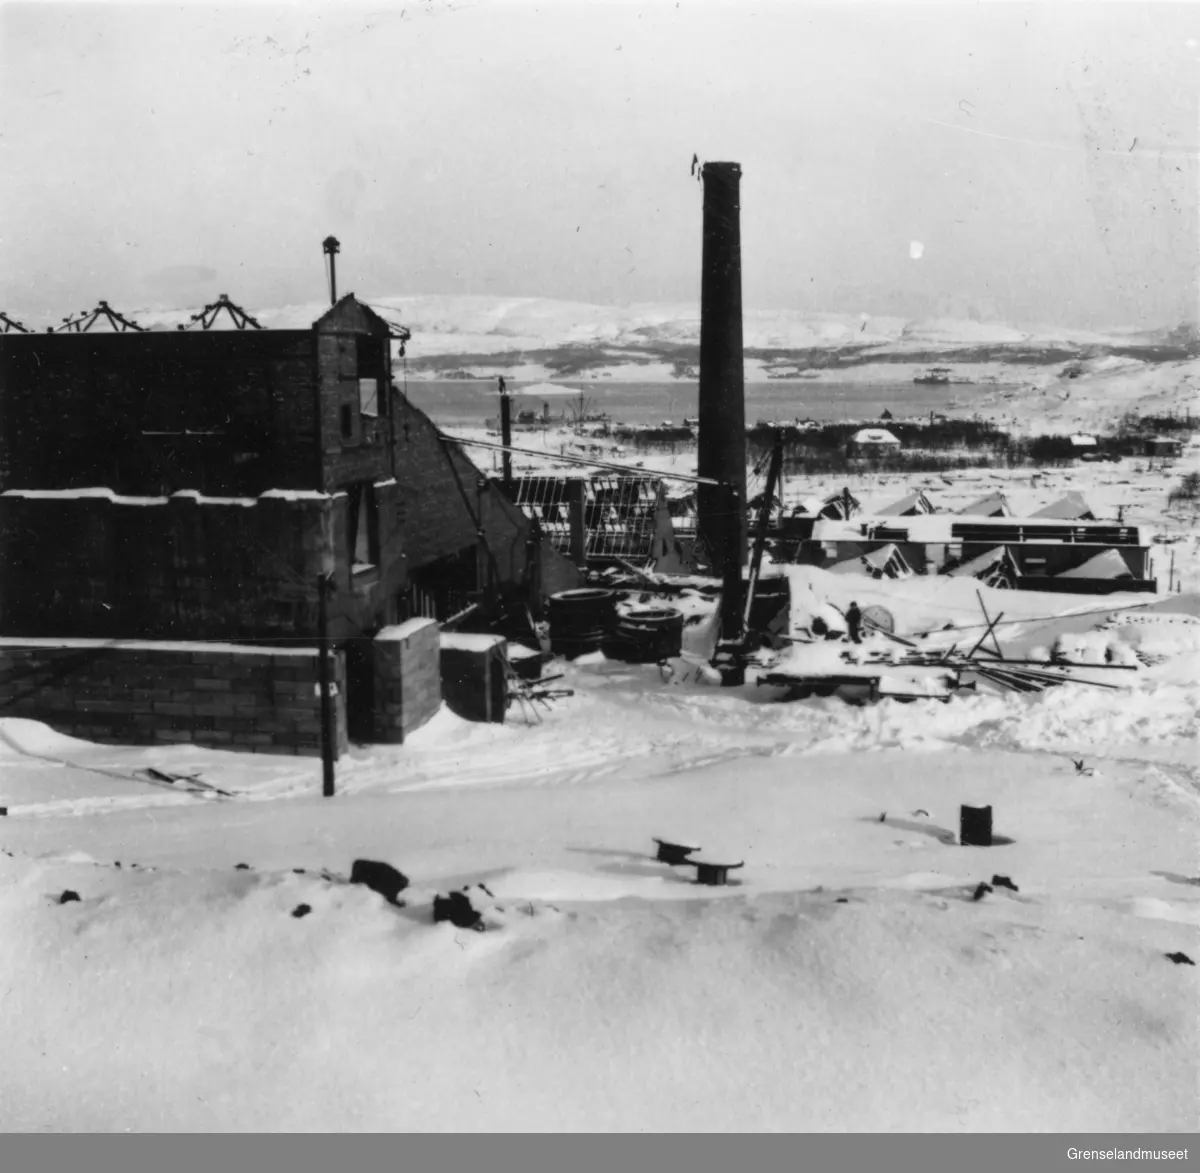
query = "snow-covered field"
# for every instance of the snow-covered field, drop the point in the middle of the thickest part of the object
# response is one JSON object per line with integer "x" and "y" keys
{"x": 845, "y": 979}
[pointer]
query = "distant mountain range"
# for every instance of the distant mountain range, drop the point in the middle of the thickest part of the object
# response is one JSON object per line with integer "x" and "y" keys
{"x": 482, "y": 337}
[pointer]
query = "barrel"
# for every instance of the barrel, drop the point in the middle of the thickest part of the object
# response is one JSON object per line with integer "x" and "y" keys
{"x": 645, "y": 635}
{"x": 580, "y": 620}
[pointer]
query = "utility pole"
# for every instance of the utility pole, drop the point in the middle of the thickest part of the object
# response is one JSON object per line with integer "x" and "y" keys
{"x": 331, "y": 248}
{"x": 324, "y": 585}
{"x": 506, "y": 435}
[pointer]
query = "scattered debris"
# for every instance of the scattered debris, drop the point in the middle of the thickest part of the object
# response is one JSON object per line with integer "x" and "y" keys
{"x": 68, "y": 897}
{"x": 842, "y": 900}
{"x": 458, "y": 910}
{"x": 298, "y": 871}
{"x": 714, "y": 874}
{"x": 1080, "y": 768}
{"x": 241, "y": 867}
{"x": 3, "y": 810}
{"x": 883, "y": 817}
{"x": 301, "y": 910}
{"x": 379, "y": 877}
{"x": 1180, "y": 958}
{"x": 981, "y": 891}
{"x": 975, "y": 826}
{"x": 673, "y": 853}
{"x": 191, "y": 782}
{"x": 921, "y": 811}
{"x": 1004, "y": 882}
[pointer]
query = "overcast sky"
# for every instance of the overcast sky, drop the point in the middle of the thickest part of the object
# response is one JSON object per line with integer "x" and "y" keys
{"x": 1043, "y": 157}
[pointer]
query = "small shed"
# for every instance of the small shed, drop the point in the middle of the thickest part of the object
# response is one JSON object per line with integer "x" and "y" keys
{"x": 1163, "y": 446}
{"x": 1082, "y": 442}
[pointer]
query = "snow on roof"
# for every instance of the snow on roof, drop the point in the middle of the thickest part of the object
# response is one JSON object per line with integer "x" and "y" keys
{"x": 1072, "y": 507}
{"x": 469, "y": 641}
{"x": 79, "y": 494}
{"x": 915, "y": 502}
{"x": 1083, "y": 441}
{"x": 1106, "y": 564}
{"x": 874, "y": 436}
{"x": 976, "y": 565}
{"x": 401, "y": 631}
{"x": 993, "y": 505}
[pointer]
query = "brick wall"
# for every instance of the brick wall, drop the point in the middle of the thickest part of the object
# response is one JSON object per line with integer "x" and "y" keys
{"x": 351, "y": 342}
{"x": 442, "y": 505}
{"x": 187, "y": 567}
{"x": 241, "y": 698}
{"x": 408, "y": 689}
{"x": 80, "y": 410}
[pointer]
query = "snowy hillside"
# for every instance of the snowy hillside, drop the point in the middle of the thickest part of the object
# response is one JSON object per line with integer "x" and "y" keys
{"x": 532, "y": 338}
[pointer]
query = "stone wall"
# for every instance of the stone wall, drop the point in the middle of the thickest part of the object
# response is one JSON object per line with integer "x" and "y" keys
{"x": 264, "y": 700}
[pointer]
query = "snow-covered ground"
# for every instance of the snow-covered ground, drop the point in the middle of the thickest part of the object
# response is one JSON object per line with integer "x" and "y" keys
{"x": 844, "y": 980}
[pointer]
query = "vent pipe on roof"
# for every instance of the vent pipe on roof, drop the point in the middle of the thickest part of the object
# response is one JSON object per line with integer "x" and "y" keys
{"x": 331, "y": 248}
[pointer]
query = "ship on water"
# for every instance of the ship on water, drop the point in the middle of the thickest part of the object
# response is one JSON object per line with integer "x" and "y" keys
{"x": 935, "y": 375}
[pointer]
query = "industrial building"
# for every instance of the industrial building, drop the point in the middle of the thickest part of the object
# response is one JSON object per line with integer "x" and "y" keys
{"x": 194, "y": 485}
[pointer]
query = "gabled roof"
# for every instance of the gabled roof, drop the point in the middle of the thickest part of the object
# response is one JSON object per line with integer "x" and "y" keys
{"x": 993, "y": 505}
{"x": 1072, "y": 507}
{"x": 977, "y": 565}
{"x": 844, "y": 504}
{"x": 887, "y": 559}
{"x": 907, "y": 506}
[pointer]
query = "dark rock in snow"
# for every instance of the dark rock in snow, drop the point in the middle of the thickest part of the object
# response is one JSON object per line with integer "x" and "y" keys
{"x": 241, "y": 867}
{"x": 301, "y": 910}
{"x": 982, "y": 891}
{"x": 3, "y": 810}
{"x": 68, "y": 897}
{"x": 298, "y": 871}
{"x": 1004, "y": 882}
{"x": 1180, "y": 959}
{"x": 457, "y": 909}
{"x": 379, "y": 877}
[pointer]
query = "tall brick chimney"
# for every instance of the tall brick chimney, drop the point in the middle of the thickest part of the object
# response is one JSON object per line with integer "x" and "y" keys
{"x": 722, "y": 442}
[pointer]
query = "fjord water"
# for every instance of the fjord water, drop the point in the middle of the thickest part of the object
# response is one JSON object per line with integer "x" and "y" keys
{"x": 469, "y": 402}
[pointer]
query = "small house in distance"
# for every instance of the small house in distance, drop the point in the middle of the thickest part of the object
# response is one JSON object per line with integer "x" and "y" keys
{"x": 1163, "y": 446}
{"x": 873, "y": 442}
